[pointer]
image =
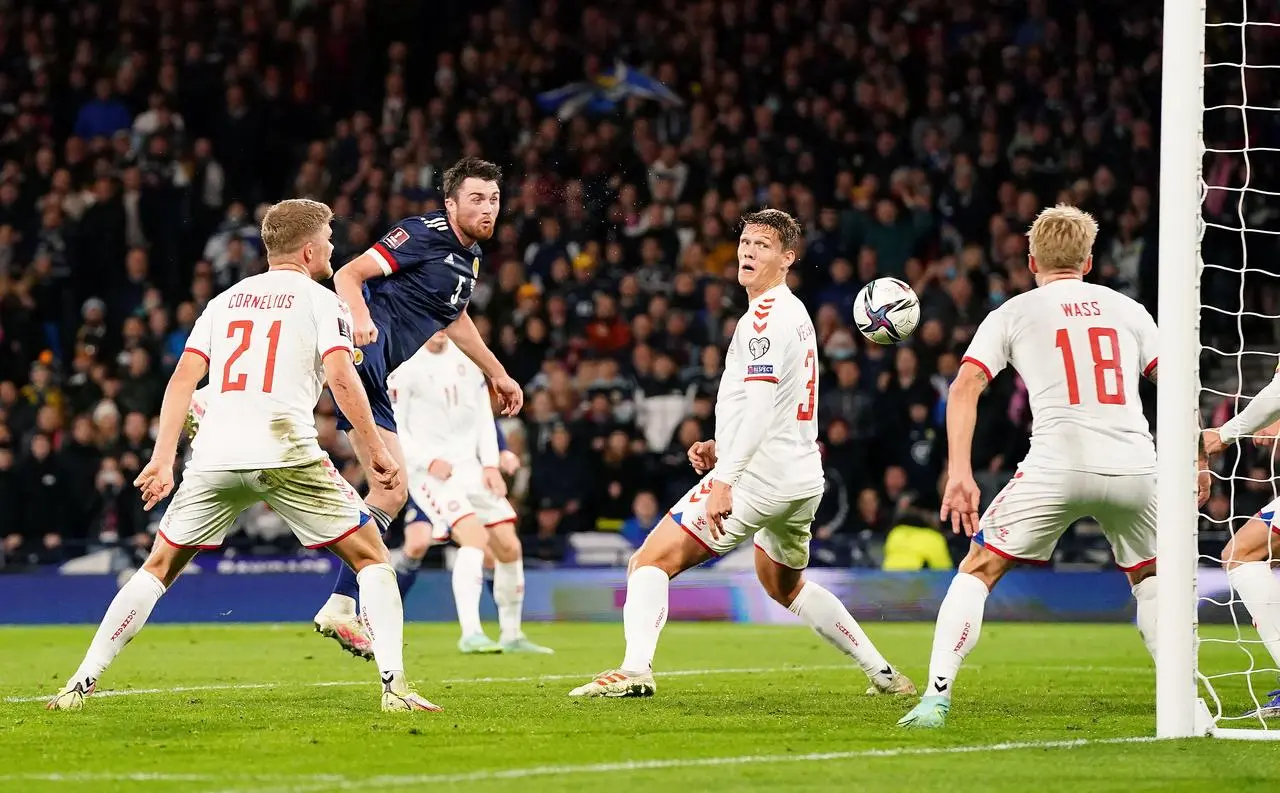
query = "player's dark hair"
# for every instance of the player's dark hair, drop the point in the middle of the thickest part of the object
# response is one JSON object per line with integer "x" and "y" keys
{"x": 467, "y": 168}
{"x": 787, "y": 228}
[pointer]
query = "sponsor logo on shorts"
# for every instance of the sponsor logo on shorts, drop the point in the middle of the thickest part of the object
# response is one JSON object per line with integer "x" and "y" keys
{"x": 700, "y": 522}
{"x": 358, "y": 355}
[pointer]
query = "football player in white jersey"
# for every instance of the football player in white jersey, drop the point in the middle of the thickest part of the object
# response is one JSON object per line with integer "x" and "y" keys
{"x": 1249, "y": 554}
{"x": 442, "y": 407}
{"x": 1080, "y": 348}
{"x": 765, "y": 477}
{"x": 268, "y": 344}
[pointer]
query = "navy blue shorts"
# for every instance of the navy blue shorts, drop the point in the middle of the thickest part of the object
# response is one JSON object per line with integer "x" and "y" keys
{"x": 371, "y": 364}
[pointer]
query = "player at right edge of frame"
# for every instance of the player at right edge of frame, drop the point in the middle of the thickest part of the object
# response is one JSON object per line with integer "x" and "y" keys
{"x": 1079, "y": 348}
{"x": 1248, "y": 555}
{"x": 763, "y": 479}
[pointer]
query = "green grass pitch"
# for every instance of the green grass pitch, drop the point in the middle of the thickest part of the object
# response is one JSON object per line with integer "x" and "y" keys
{"x": 739, "y": 708}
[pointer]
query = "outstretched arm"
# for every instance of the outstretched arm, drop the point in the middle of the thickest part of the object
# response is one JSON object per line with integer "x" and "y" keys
{"x": 961, "y": 497}
{"x": 464, "y": 333}
{"x": 156, "y": 478}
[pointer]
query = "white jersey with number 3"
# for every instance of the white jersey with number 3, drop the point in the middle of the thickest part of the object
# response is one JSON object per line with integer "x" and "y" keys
{"x": 1081, "y": 349}
{"x": 265, "y": 340}
{"x": 775, "y": 342}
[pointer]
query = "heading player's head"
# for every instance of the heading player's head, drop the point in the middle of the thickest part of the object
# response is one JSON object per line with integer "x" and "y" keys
{"x": 296, "y": 235}
{"x": 471, "y": 196}
{"x": 437, "y": 342}
{"x": 1061, "y": 243}
{"x": 766, "y": 248}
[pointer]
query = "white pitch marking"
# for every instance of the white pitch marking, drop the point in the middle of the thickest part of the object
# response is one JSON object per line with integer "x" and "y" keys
{"x": 379, "y": 782}
{"x": 135, "y": 692}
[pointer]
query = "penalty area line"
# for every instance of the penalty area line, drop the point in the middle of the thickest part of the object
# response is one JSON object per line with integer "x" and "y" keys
{"x": 411, "y": 780}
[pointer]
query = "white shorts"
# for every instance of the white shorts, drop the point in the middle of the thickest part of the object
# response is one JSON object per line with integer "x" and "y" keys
{"x": 313, "y": 500}
{"x": 447, "y": 501}
{"x": 780, "y": 528}
{"x": 1031, "y": 513}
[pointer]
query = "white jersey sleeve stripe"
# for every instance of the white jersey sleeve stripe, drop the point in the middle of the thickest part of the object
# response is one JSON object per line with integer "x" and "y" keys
{"x": 383, "y": 264}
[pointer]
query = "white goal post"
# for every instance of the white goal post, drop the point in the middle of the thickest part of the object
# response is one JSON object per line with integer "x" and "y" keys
{"x": 1181, "y": 154}
{"x": 1180, "y": 712}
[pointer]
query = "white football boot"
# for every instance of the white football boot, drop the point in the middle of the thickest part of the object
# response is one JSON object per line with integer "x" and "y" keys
{"x": 399, "y": 696}
{"x": 72, "y": 695}
{"x": 898, "y": 685}
{"x": 347, "y": 631}
{"x": 617, "y": 683}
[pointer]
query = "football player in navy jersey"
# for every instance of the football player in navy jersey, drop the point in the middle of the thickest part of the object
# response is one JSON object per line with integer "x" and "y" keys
{"x": 415, "y": 281}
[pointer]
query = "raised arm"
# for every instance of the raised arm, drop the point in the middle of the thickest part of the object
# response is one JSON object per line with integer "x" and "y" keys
{"x": 348, "y": 282}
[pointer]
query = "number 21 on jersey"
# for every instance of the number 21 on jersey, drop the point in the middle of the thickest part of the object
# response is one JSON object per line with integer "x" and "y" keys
{"x": 242, "y": 330}
{"x": 1108, "y": 378}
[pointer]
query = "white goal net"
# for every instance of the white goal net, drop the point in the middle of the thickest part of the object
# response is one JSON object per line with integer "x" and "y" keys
{"x": 1238, "y": 201}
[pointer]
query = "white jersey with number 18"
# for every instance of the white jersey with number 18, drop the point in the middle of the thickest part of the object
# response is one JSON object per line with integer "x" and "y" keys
{"x": 774, "y": 341}
{"x": 1081, "y": 349}
{"x": 265, "y": 340}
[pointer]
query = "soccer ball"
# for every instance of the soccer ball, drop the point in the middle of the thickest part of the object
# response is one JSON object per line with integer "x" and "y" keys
{"x": 886, "y": 311}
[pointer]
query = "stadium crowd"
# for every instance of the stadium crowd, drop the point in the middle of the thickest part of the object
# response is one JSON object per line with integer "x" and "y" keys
{"x": 141, "y": 140}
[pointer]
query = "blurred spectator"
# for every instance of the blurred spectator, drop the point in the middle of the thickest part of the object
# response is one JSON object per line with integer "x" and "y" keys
{"x": 909, "y": 141}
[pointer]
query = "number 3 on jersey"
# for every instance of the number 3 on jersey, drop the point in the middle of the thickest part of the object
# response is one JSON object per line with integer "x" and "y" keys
{"x": 804, "y": 412}
{"x": 1108, "y": 379}
{"x": 243, "y": 328}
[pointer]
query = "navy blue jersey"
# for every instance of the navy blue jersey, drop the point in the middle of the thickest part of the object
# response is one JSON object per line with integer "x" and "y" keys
{"x": 428, "y": 278}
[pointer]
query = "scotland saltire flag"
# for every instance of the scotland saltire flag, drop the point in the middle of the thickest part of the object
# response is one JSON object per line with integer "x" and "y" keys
{"x": 603, "y": 94}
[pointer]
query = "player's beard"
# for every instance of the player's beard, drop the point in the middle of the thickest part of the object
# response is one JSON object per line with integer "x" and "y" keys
{"x": 478, "y": 232}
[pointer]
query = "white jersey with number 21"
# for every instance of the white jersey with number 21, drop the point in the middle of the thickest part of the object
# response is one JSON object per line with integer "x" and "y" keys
{"x": 1081, "y": 349}
{"x": 265, "y": 340}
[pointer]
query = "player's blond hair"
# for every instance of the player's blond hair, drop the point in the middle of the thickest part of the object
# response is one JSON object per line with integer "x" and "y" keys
{"x": 1061, "y": 238}
{"x": 288, "y": 225}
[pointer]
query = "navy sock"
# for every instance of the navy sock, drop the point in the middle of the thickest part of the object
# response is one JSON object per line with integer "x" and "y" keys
{"x": 346, "y": 582}
{"x": 406, "y": 573}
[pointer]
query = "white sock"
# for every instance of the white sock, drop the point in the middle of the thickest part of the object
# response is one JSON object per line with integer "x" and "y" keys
{"x": 508, "y": 593}
{"x": 643, "y": 616}
{"x": 959, "y": 626}
{"x": 828, "y": 617}
{"x": 1258, "y": 588}
{"x": 1145, "y": 594}
{"x": 126, "y": 615}
{"x": 468, "y": 583}
{"x": 339, "y": 606}
{"x": 383, "y": 615}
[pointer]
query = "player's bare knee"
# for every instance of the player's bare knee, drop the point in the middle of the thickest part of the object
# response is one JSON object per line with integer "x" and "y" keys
{"x": 668, "y": 548}
{"x": 416, "y": 542}
{"x": 1252, "y": 543}
{"x": 1141, "y": 574}
{"x": 985, "y": 565}
{"x": 166, "y": 561}
{"x": 505, "y": 543}
{"x": 468, "y": 533}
